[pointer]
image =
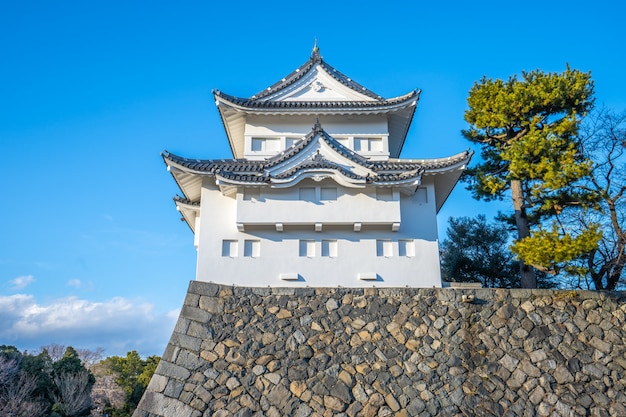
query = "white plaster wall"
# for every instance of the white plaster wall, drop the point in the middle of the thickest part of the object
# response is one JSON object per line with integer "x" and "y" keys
{"x": 283, "y": 206}
{"x": 301, "y": 125}
{"x": 340, "y": 127}
{"x": 279, "y": 251}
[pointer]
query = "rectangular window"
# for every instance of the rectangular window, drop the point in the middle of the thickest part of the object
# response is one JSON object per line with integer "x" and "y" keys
{"x": 406, "y": 248}
{"x": 384, "y": 248}
{"x": 265, "y": 144}
{"x": 384, "y": 194}
{"x": 376, "y": 145}
{"x": 307, "y": 194}
{"x": 361, "y": 144}
{"x": 252, "y": 248}
{"x": 329, "y": 248}
{"x": 368, "y": 144}
{"x": 230, "y": 248}
{"x": 289, "y": 142}
{"x": 258, "y": 144}
{"x": 328, "y": 193}
{"x": 307, "y": 248}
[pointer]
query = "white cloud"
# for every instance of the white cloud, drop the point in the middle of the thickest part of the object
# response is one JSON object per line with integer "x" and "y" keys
{"x": 74, "y": 283}
{"x": 118, "y": 325}
{"x": 22, "y": 282}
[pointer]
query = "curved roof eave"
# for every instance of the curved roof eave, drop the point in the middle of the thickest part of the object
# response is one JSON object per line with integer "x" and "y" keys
{"x": 252, "y": 106}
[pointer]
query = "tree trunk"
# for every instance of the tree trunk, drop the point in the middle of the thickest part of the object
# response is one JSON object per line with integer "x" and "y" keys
{"x": 528, "y": 278}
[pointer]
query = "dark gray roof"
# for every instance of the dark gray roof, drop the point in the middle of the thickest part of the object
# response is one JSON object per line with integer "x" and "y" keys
{"x": 259, "y": 100}
{"x": 313, "y": 104}
{"x": 184, "y": 200}
{"x": 243, "y": 170}
{"x": 315, "y": 58}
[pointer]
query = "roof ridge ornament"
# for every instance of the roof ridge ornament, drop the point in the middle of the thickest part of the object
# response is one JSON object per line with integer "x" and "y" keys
{"x": 315, "y": 53}
{"x": 317, "y": 127}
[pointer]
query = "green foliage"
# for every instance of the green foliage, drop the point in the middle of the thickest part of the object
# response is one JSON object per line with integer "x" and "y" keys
{"x": 476, "y": 251}
{"x": 528, "y": 131}
{"x": 550, "y": 250}
{"x": 133, "y": 375}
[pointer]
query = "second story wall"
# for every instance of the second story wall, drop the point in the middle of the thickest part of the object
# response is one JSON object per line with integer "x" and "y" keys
{"x": 266, "y": 136}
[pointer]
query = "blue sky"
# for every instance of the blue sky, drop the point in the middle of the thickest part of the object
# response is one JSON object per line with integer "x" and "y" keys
{"x": 93, "y": 253}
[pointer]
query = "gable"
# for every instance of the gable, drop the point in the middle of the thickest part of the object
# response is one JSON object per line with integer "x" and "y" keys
{"x": 318, "y": 85}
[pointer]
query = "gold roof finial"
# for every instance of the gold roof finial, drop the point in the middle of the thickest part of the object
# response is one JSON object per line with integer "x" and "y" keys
{"x": 316, "y": 49}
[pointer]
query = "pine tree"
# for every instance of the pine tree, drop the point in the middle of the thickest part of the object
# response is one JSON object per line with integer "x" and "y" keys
{"x": 528, "y": 133}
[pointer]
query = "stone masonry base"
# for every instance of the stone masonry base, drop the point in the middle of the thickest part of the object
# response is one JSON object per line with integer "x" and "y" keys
{"x": 313, "y": 352}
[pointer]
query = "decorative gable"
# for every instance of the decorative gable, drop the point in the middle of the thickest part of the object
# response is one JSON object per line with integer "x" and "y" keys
{"x": 318, "y": 85}
{"x": 315, "y": 90}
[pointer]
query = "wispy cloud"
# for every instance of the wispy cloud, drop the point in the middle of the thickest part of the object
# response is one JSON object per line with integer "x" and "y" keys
{"x": 74, "y": 283}
{"x": 22, "y": 282}
{"x": 118, "y": 325}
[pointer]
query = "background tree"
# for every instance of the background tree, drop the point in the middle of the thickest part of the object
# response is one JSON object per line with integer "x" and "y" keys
{"x": 72, "y": 394}
{"x": 603, "y": 140}
{"x": 476, "y": 251}
{"x": 72, "y": 385}
{"x": 132, "y": 374}
{"x": 527, "y": 130}
{"x": 18, "y": 388}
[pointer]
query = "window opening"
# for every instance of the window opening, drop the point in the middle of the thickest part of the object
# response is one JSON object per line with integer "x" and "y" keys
{"x": 384, "y": 248}
{"x": 329, "y": 248}
{"x": 307, "y": 248}
{"x": 252, "y": 248}
{"x": 229, "y": 248}
{"x": 406, "y": 248}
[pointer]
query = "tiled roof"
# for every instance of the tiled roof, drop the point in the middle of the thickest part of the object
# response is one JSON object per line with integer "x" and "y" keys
{"x": 212, "y": 166}
{"x": 318, "y": 162}
{"x": 315, "y": 58}
{"x": 184, "y": 200}
{"x": 313, "y": 104}
{"x": 245, "y": 171}
{"x": 332, "y": 142}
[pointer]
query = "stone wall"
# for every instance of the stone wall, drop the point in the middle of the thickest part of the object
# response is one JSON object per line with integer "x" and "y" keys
{"x": 406, "y": 352}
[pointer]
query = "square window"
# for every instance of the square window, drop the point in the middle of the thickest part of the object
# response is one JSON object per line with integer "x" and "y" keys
{"x": 376, "y": 145}
{"x": 230, "y": 248}
{"x": 329, "y": 248}
{"x": 258, "y": 144}
{"x": 406, "y": 248}
{"x": 307, "y": 248}
{"x": 361, "y": 144}
{"x": 384, "y": 248}
{"x": 252, "y": 248}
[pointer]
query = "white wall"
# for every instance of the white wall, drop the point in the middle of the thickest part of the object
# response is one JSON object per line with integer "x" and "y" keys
{"x": 340, "y": 127}
{"x": 351, "y": 206}
{"x": 356, "y": 251}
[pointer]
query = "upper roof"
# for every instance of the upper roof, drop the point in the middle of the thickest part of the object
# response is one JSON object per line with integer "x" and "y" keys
{"x": 318, "y": 155}
{"x": 316, "y": 88}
